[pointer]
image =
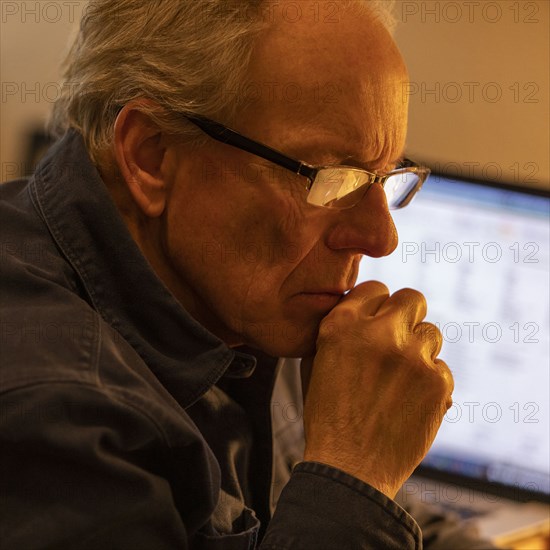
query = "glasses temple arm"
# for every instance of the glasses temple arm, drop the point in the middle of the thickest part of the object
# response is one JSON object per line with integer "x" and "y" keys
{"x": 226, "y": 135}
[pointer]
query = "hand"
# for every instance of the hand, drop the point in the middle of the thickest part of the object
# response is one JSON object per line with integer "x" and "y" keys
{"x": 377, "y": 393}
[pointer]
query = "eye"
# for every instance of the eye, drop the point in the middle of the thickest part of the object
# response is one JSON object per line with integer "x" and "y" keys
{"x": 401, "y": 163}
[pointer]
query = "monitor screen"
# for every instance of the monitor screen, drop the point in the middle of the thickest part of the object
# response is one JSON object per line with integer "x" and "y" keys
{"x": 480, "y": 255}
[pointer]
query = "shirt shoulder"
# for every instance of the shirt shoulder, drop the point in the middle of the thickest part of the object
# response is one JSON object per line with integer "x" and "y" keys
{"x": 50, "y": 332}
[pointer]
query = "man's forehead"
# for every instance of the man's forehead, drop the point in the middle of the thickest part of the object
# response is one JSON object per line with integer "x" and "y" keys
{"x": 325, "y": 66}
{"x": 354, "y": 35}
{"x": 337, "y": 81}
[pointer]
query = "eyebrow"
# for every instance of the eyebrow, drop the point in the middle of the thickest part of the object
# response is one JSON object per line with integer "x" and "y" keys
{"x": 334, "y": 156}
{"x": 338, "y": 155}
{"x": 352, "y": 161}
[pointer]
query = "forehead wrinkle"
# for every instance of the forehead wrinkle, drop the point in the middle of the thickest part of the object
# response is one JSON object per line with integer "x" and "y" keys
{"x": 362, "y": 61}
{"x": 384, "y": 121}
{"x": 371, "y": 123}
{"x": 375, "y": 142}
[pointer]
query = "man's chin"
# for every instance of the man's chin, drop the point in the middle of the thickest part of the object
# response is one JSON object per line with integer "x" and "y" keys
{"x": 290, "y": 344}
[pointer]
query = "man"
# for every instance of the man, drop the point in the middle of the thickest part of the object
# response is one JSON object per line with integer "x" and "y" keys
{"x": 161, "y": 235}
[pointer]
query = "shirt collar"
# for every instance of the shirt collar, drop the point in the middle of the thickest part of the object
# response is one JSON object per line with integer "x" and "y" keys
{"x": 120, "y": 283}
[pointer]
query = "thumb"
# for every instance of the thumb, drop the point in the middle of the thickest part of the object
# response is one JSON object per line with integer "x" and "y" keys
{"x": 305, "y": 373}
{"x": 369, "y": 296}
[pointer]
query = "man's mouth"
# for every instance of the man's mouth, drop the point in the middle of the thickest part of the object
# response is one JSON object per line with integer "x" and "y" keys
{"x": 322, "y": 298}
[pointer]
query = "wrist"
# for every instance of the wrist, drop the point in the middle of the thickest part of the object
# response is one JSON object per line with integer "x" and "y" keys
{"x": 357, "y": 469}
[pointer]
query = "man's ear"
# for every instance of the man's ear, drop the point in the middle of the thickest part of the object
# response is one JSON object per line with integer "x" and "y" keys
{"x": 140, "y": 151}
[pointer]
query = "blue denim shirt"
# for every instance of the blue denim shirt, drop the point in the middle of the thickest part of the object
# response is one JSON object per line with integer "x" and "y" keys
{"x": 123, "y": 422}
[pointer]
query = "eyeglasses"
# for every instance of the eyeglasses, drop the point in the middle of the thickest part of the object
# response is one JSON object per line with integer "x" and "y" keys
{"x": 336, "y": 186}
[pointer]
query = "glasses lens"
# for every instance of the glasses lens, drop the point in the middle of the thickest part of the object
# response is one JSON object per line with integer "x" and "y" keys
{"x": 338, "y": 187}
{"x": 401, "y": 187}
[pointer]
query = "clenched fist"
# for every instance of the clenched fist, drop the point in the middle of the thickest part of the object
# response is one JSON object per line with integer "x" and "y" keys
{"x": 377, "y": 392}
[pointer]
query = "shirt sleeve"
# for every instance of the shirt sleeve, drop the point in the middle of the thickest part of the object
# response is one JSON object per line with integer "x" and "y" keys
{"x": 336, "y": 507}
{"x": 323, "y": 507}
{"x": 442, "y": 529}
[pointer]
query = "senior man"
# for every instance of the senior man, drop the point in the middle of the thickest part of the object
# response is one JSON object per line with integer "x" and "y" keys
{"x": 221, "y": 172}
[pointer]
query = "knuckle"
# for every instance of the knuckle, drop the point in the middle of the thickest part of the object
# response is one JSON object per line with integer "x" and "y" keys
{"x": 373, "y": 287}
{"x": 428, "y": 333}
{"x": 435, "y": 376}
{"x": 342, "y": 322}
{"x": 345, "y": 312}
{"x": 442, "y": 379}
{"x": 411, "y": 295}
{"x": 328, "y": 330}
{"x": 447, "y": 375}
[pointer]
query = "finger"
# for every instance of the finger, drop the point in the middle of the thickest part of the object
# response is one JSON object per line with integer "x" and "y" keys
{"x": 305, "y": 373}
{"x": 431, "y": 338}
{"x": 369, "y": 296}
{"x": 449, "y": 380}
{"x": 407, "y": 304}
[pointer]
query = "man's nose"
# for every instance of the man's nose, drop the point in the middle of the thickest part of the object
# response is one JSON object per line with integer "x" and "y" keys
{"x": 367, "y": 228}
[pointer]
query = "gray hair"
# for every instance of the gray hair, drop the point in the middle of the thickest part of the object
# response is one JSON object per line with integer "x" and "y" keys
{"x": 188, "y": 56}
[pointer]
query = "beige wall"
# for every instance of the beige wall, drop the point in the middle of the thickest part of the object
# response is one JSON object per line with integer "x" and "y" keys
{"x": 479, "y": 86}
{"x": 479, "y": 81}
{"x": 33, "y": 38}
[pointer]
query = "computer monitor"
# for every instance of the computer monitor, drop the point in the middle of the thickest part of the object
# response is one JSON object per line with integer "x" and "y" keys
{"x": 480, "y": 255}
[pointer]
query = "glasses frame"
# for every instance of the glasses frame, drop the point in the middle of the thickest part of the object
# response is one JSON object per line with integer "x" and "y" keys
{"x": 227, "y": 135}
